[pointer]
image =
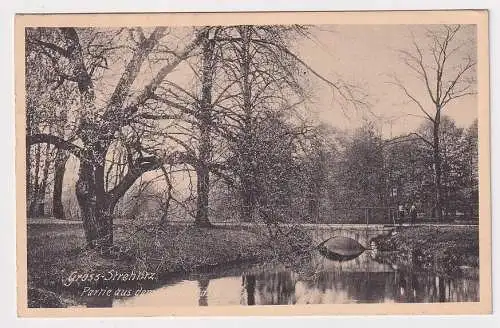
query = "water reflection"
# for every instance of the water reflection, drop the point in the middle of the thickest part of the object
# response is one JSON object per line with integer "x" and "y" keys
{"x": 203, "y": 286}
{"x": 276, "y": 288}
{"x": 249, "y": 283}
{"x": 322, "y": 281}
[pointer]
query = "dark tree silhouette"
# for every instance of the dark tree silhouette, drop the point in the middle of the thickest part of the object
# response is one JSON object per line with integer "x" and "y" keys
{"x": 446, "y": 74}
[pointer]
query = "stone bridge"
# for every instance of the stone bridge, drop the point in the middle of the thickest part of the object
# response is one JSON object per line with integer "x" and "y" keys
{"x": 361, "y": 232}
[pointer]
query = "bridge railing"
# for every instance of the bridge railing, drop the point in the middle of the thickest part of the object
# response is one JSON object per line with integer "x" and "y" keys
{"x": 359, "y": 215}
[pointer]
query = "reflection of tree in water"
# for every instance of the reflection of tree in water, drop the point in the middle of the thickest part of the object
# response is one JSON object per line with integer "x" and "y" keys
{"x": 358, "y": 286}
{"x": 364, "y": 280}
{"x": 249, "y": 285}
{"x": 363, "y": 287}
{"x": 442, "y": 289}
{"x": 359, "y": 279}
{"x": 407, "y": 289}
{"x": 419, "y": 288}
{"x": 203, "y": 286}
{"x": 371, "y": 286}
{"x": 276, "y": 288}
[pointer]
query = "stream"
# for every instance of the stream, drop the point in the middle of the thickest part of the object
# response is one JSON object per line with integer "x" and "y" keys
{"x": 318, "y": 281}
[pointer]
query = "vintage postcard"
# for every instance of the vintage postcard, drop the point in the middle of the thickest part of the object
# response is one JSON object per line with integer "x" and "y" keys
{"x": 253, "y": 163}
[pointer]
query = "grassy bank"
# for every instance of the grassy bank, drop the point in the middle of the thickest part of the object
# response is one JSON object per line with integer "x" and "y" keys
{"x": 57, "y": 250}
{"x": 446, "y": 250}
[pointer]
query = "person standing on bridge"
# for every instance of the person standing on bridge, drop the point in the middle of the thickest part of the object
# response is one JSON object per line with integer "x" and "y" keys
{"x": 401, "y": 214}
{"x": 413, "y": 214}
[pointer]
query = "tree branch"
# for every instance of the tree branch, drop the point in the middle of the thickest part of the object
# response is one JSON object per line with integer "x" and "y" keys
{"x": 61, "y": 51}
{"x": 149, "y": 90}
{"x": 132, "y": 69}
{"x": 140, "y": 166}
{"x": 409, "y": 95}
{"x": 404, "y": 138}
{"x": 56, "y": 141}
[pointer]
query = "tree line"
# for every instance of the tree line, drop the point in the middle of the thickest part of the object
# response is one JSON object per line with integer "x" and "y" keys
{"x": 220, "y": 110}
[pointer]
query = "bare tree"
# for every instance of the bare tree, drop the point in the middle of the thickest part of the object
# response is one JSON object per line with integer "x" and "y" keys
{"x": 205, "y": 123}
{"x": 447, "y": 72}
{"x": 256, "y": 78}
{"x": 243, "y": 75}
{"x": 98, "y": 129}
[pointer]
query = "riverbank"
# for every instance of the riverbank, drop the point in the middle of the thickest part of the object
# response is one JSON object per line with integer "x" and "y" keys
{"x": 57, "y": 251}
{"x": 445, "y": 250}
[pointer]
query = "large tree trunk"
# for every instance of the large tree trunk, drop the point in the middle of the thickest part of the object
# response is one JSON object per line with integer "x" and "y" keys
{"x": 29, "y": 195}
{"x": 59, "y": 169}
{"x": 437, "y": 170}
{"x": 314, "y": 207}
{"x": 96, "y": 204}
{"x": 33, "y": 188}
{"x": 85, "y": 194}
{"x": 248, "y": 192}
{"x": 42, "y": 184}
{"x": 316, "y": 180}
{"x": 202, "y": 189}
{"x": 248, "y": 201}
{"x": 96, "y": 209}
{"x": 202, "y": 170}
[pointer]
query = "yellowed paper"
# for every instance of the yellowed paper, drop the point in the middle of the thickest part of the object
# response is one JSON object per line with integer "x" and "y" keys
{"x": 163, "y": 114}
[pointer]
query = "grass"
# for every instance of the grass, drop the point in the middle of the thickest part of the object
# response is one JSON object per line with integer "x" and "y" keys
{"x": 447, "y": 250}
{"x": 57, "y": 250}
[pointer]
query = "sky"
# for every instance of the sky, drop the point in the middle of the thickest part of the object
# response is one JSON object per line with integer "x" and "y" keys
{"x": 368, "y": 56}
{"x": 364, "y": 55}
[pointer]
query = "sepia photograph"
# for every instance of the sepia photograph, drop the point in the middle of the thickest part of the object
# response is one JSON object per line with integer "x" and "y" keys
{"x": 250, "y": 161}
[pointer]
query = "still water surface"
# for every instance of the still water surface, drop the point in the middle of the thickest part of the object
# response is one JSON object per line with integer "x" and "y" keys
{"x": 320, "y": 281}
